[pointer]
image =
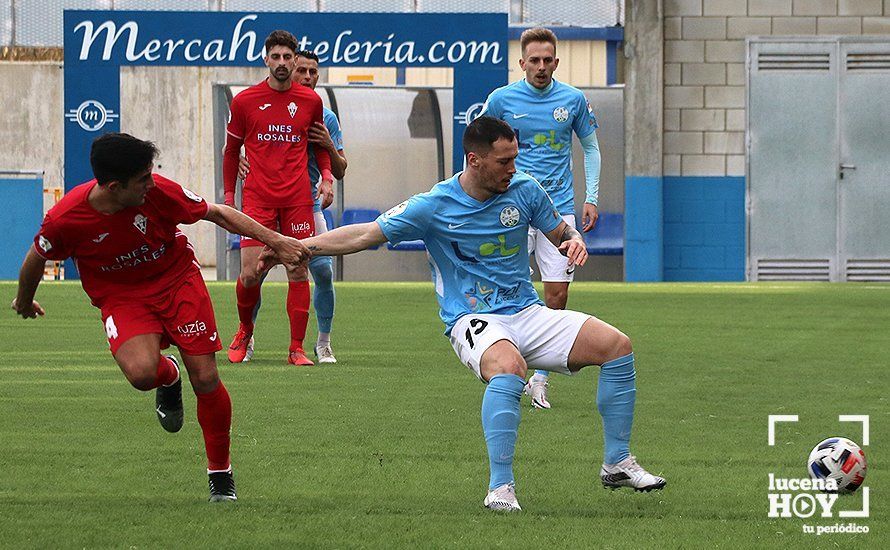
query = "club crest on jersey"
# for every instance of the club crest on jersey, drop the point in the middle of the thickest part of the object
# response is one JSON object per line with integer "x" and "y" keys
{"x": 141, "y": 223}
{"x": 560, "y": 114}
{"x": 509, "y": 216}
{"x": 292, "y": 109}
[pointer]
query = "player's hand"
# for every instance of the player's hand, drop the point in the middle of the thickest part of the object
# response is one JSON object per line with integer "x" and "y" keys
{"x": 325, "y": 193}
{"x": 589, "y": 217}
{"x": 28, "y": 310}
{"x": 319, "y": 135}
{"x": 576, "y": 251}
{"x": 243, "y": 167}
{"x": 267, "y": 260}
{"x": 291, "y": 252}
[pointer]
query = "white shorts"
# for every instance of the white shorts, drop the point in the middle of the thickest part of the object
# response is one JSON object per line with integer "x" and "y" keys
{"x": 552, "y": 265}
{"x": 321, "y": 225}
{"x": 543, "y": 336}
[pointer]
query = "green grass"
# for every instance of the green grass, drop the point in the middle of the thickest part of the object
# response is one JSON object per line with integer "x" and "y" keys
{"x": 385, "y": 449}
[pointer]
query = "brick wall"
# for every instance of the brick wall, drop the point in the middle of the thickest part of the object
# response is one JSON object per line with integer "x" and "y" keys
{"x": 704, "y": 69}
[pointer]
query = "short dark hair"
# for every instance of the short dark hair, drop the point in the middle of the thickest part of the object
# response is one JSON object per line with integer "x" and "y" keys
{"x": 481, "y": 134}
{"x": 281, "y": 38}
{"x": 308, "y": 54}
{"x": 120, "y": 157}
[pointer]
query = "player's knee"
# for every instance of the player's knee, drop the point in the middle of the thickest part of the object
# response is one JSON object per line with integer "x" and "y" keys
{"x": 322, "y": 270}
{"x": 621, "y": 345}
{"x": 204, "y": 380}
{"x": 250, "y": 278}
{"x": 141, "y": 375}
{"x": 505, "y": 365}
{"x": 557, "y": 298}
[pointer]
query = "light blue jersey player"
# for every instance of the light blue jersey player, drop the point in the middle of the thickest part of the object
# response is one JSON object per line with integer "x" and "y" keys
{"x": 474, "y": 226}
{"x": 545, "y": 112}
{"x": 331, "y": 138}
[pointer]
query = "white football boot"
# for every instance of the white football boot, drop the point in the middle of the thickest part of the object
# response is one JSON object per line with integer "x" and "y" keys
{"x": 325, "y": 354}
{"x": 502, "y": 499}
{"x": 628, "y": 473}
{"x": 536, "y": 388}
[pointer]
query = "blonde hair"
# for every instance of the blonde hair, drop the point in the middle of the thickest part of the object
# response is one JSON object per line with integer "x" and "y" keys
{"x": 537, "y": 34}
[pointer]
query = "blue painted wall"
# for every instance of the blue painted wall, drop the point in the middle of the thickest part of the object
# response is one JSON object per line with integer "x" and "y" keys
{"x": 704, "y": 228}
{"x": 684, "y": 229}
{"x": 20, "y": 218}
{"x": 643, "y": 229}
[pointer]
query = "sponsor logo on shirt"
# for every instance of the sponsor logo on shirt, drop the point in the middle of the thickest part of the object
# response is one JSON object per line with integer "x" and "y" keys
{"x": 141, "y": 255}
{"x": 396, "y": 210}
{"x": 560, "y": 114}
{"x": 279, "y": 132}
{"x": 188, "y": 193}
{"x": 265, "y": 106}
{"x": 500, "y": 247}
{"x": 302, "y": 227}
{"x": 100, "y": 238}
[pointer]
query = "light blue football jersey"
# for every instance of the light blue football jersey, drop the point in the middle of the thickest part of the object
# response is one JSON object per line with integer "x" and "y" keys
{"x": 478, "y": 251}
{"x": 333, "y": 126}
{"x": 544, "y": 122}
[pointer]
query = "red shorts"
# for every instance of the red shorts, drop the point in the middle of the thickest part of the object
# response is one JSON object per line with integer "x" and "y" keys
{"x": 182, "y": 315}
{"x": 294, "y": 221}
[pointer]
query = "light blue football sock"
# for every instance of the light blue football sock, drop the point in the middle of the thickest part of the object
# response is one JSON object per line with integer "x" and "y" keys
{"x": 322, "y": 271}
{"x": 615, "y": 396}
{"x": 500, "y": 423}
{"x": 543, "y": 373}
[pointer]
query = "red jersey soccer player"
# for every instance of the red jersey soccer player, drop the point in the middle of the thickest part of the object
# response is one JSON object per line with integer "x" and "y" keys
{"x": 141, "y": 272}
{"x": 272, "y": 120}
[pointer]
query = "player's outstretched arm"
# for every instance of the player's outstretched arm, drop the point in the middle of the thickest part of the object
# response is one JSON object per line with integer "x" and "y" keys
{"x": 290, "y": 252}
{"x": 346, "y": 240}
{"x": 570, "y": 243}
{"x": 29, "y": 278}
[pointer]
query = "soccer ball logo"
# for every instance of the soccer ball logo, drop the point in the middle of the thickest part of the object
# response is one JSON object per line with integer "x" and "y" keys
{"x": 560, "y": 114}
{"x": 509, "y": 216}
{"x": 839, "y": 459}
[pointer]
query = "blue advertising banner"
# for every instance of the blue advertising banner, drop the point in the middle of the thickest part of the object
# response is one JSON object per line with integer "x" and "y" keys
{"x": 98, "y": 43}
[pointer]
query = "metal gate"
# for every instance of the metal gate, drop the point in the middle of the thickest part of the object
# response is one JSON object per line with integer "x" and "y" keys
{"x": 818, "y": 144}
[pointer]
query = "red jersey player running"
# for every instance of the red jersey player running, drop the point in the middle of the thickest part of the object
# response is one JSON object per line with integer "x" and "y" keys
{"x": 141, "y": 272}
{"x": 272, "y": 120}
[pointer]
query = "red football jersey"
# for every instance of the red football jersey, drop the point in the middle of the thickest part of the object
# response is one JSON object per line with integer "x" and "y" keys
{"x": 132, "y": 253}
{"x": 274, "y": 127}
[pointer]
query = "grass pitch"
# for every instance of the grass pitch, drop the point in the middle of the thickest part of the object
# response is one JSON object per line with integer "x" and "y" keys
{"x": 385, "y": 449}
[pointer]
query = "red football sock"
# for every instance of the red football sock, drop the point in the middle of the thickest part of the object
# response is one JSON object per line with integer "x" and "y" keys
{"x": 247, "y": 300}
{"x": 167, "y": 372}
{"x": 215, "y": 418}
{"x": 298, "y": 312}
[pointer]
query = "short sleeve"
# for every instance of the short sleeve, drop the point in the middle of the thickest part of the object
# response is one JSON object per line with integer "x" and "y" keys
{"x": 584, "y": 123}
{"x": 182, "y": 205}
{"x": 333, "y": 125}
{"x": 409, "y": 220}
{"x": 492, "y": 106}
{"x": 544, "y": 215}
{"x": 50, "y": 241}
{"x": 236, "y": 126}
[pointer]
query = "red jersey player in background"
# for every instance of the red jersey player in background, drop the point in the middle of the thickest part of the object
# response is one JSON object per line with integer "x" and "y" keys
{"x": 140, "y": 271}
{"x": 272, "y": 120}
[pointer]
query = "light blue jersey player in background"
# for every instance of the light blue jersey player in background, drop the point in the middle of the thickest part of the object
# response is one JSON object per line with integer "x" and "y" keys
{"x": 322, "y": 269}
{"x": 544, "y": 112}
{"x": 475, "y": 227}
